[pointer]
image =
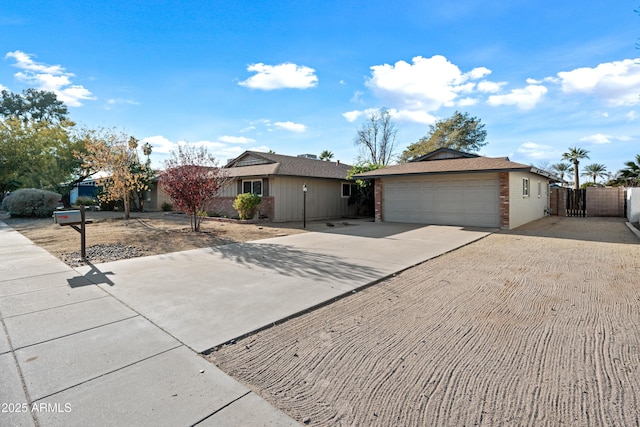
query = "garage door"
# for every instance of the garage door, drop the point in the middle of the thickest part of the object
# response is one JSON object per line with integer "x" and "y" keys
{"x": 467, "y": 200}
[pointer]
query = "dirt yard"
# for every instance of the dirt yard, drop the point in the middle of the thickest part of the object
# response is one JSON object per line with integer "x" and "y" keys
{"x": 537, "y": 326}
{"x": 110, "y": 237}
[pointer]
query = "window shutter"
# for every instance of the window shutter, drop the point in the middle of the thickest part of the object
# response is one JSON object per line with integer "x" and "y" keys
{"x": 265, "y": 187}
{"x": 239, "y": 187}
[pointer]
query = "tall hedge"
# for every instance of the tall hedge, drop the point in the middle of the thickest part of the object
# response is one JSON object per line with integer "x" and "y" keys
{"x": 31, "y": 202}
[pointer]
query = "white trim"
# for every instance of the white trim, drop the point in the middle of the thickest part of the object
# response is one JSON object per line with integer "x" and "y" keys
{"x": 526, "y": 187}
{"x": 252, "y": 187}
{"x": 342, "y": 190}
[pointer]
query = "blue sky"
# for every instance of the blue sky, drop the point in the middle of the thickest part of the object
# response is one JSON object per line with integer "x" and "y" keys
{"x": 300, "y": 76}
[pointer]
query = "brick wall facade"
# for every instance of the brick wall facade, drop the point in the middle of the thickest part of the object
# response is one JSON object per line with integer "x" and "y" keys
{"x": 223, "y": 206}
{"x": 504, "y": 199}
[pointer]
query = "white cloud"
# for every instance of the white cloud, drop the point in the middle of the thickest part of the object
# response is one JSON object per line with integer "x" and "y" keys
{"x": 407, "y": 116}
{"x": 357, "y": 96}
{"x": 412, "y": 116}
{"x": 113, "y": 102}
{"x": 524, "y": 99}
{"x": 291, "y": 127}
{"x": 281, "y": 76}
{"x": 426, "y": 84}
{"x": 2, "y": 87}
{"x": 533, "y": 150}
{"x": 631, "y": 115}
{"x": 159, "y": 144}
{"x": 53, "y": 78}
{"x": 490, "y": 87}
{"x": 236, "y": 139}
{"x": 597, "y": 138}
{"x": 352, "y": 116}
{"x": 465, "y": 102}
{"x": 617, "y": 82}
{"x": 600, "y": 138}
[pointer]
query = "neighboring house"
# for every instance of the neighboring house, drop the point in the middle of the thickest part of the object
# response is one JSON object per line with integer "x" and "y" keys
{"x": 87, "y": 188}
{"x": 450, "y": 187}
{"x": 279, "y": 180}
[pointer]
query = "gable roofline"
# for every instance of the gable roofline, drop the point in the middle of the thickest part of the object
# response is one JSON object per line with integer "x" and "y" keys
{"x": 283, "y": 165}
{"x": 473, "y": 164}
{"x": 434, "y": 155}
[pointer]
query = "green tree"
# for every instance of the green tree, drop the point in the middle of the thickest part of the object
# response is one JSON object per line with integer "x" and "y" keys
{"x": 326, "y": 155}
{"x": 377, "y": 138}
{"x": 561, "y": 169}
{"x": 33, "y": 105}
{"x": 460, "y": 132}
{"x": 574, "y": 155}
{"x": 37, "y": 142}
{"x": 38, "y": 155}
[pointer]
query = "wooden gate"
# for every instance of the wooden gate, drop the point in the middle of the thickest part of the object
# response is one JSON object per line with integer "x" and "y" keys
{"x": 577, "y": 202}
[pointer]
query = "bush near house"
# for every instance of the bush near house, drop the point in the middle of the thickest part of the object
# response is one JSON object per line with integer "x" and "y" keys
{"x": 85, "y": 201}
{"x": 31, "y": 202}
{"x": 247, "y": 204}
{"x": 166, "y": 207}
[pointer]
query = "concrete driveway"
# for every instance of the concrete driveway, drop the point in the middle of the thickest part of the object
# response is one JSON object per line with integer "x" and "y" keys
{"x": 207, "y": 297}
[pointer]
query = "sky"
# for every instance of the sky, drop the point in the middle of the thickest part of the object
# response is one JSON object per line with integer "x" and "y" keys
{"x": 300, "y": 77}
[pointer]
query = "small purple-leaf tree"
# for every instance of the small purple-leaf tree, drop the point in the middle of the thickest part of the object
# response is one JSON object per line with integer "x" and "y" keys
{"x": 192, "y": 179}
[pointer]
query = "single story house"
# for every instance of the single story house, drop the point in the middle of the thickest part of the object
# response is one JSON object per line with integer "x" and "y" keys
{"x": 279, "y": 180}
{"x": 451, "y": 187}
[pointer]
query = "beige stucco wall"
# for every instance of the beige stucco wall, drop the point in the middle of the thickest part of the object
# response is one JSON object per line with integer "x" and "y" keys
{"x": 524, "y": 209}
{"x": 323, "y": 199}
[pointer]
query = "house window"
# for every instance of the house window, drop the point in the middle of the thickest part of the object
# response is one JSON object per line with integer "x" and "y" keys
{"x": 539, "y": 189}
{"x": 525, "y": 187}
{"x": 346, "y": 190}
{"x": 253, "y": 187}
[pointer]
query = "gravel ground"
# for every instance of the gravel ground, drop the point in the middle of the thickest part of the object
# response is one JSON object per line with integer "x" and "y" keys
{"x": 537, "y": 326}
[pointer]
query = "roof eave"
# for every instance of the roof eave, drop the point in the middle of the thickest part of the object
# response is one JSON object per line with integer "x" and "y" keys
{"x": 458, "y": 172}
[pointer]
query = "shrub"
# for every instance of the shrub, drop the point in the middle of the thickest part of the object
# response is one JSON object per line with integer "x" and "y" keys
{"x": 31, "y": 202}
{"x": 246, "y": 204}
{"x": 166, "y": 207}
{"x": 85, "y": 201}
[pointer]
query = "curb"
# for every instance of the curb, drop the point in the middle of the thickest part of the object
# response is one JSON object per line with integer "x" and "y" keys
{"x": 633, "y": 229}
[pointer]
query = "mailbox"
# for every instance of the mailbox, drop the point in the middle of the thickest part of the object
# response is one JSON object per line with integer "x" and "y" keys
{"x": 67, "y": 217}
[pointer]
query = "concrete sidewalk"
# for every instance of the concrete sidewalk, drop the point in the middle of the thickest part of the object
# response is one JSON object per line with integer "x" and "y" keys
{"x": 72, "y": 354}
{"x": 122, "y": 352}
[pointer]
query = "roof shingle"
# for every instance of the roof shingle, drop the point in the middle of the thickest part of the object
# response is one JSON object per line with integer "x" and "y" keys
{"x": 459, "y": 165}
{"x": 278, "y": 164}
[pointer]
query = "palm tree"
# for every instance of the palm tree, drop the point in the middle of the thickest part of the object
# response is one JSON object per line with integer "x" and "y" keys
{"x": 561, "y": 168}
{"x": 595, "y": 171}
{"x": 574, "y": 155}
{"x": 632, "y": 171}
{"x": 146, "y": 150}
{"x": 326, "y": 155}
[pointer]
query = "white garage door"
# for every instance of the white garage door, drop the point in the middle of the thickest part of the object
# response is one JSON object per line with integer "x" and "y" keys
{"x": 467, "y": 200}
